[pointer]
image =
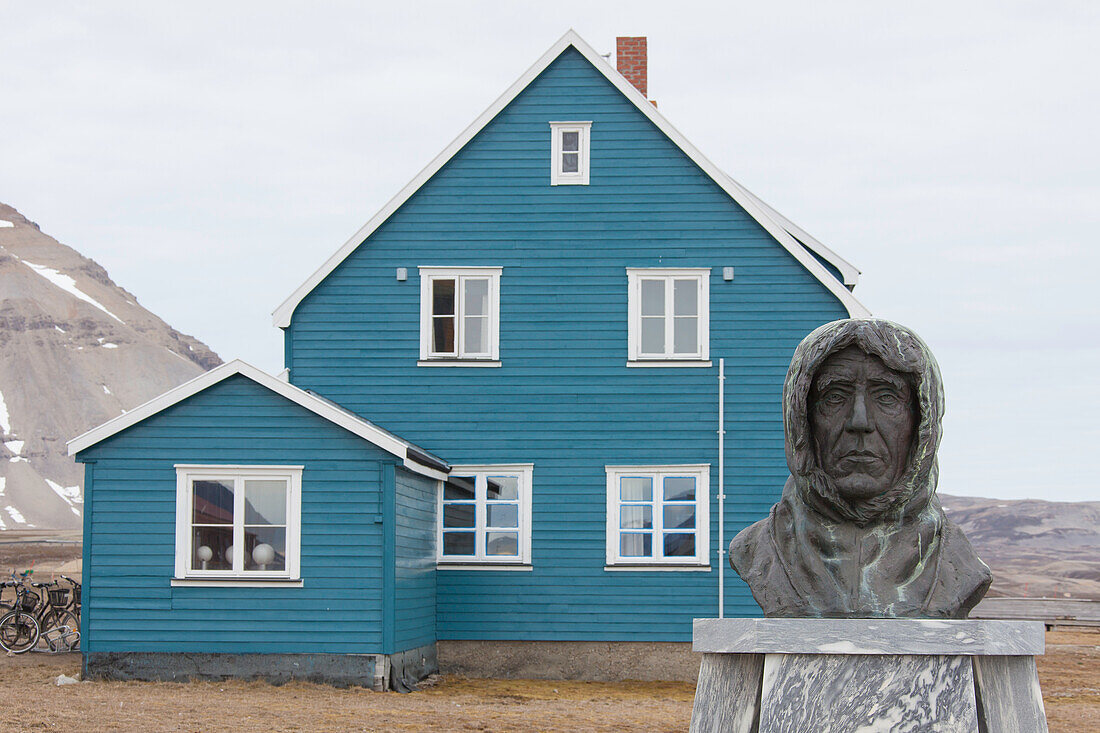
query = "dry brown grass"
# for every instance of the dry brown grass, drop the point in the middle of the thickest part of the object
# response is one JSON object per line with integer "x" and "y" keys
{"x": 1070, "y": 675}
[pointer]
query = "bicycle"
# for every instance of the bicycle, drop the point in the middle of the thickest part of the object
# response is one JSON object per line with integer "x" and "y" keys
{"x": 59, "y": 627}
{"x": 19, "y": 630}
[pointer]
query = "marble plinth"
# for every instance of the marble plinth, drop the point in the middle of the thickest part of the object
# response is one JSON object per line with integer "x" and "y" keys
{"x": 867, "y": 675}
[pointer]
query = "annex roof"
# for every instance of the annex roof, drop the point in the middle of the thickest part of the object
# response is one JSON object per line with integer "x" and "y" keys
{"x": 415, "y": 459}
{"x": 776, "y": 225}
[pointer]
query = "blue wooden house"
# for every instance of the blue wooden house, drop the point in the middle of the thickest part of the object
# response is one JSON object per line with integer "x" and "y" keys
{"x": 497, "y": 421}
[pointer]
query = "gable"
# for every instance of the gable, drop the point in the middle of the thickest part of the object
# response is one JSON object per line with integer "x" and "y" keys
{"x": 570, "y": 79}
{"x": 234, "y": 414}
{"x": 265, "y": 389}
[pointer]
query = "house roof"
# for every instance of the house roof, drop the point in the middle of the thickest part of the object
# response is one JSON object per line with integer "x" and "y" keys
{"x": 776, "y": 225}
{"x": 415, "y": 459}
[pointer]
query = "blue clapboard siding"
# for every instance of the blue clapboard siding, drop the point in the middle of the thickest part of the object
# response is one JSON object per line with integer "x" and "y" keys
{"x": 131, "y": 561}
{"x": 414, "y": 603}
{"x": 563, "y": 398}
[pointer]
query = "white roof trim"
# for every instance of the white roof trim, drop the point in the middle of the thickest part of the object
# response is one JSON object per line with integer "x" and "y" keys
{"x": 848, "y": 271}
{"x": 366, "y": 430}
{"x": 282, "y": 315}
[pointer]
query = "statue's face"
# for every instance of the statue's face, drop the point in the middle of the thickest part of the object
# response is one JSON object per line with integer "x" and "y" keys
{"x": 863, "y": 418}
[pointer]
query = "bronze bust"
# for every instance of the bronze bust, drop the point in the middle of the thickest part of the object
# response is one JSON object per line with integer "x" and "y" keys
{"x": 859, "y": 531}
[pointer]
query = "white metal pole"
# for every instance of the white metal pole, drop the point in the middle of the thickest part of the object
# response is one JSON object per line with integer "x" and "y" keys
{"x": 721, "y": 488}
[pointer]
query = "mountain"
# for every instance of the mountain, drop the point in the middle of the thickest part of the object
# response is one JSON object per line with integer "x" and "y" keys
{"x": 75, "y": 350}
{"x": 1035, "y": 548}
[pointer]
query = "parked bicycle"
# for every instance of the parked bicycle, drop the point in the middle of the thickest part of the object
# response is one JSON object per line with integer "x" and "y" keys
{"x": 19, "y": 630}
{"x": 35, "y": 620}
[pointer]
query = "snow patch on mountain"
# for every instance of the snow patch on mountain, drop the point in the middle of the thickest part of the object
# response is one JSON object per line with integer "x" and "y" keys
{"x": 16, "y": 515}
{"x": 5, "y": 224}
{"x": 15, "y": 446}
{"x": 67, "y": 284}
{"x": 5, "y": 419}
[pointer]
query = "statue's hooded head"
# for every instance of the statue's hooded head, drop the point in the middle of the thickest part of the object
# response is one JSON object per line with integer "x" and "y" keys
{"x": 839, "y": 376}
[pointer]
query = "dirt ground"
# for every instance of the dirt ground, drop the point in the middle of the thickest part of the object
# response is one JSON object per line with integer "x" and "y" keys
{"x": 1069, "y": 674}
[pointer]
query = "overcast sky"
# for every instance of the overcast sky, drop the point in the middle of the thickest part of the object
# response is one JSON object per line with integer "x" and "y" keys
{"x": 212, "y": 155}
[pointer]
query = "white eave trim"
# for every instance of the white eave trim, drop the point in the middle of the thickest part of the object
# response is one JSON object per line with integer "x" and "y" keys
{"x": 848, "y": 271}
{"x": 368, "y": 431}
{"x": 282, "y": 315}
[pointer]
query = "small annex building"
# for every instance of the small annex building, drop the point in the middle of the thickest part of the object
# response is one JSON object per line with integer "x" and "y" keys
{"x": 539, "y": 318}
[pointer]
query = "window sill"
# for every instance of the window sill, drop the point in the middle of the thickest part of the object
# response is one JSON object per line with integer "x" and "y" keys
{"x": 514, "y": 567}
{"x": 674, "y": 363}
{"x": 659, "y": 568}
{"x": 237, "y": 582}
{"x": 458, "y": 363}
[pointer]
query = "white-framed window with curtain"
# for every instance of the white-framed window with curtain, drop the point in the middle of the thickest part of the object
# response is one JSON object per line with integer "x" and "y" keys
{"x": 669, "y": 312}
{"x": 658, "y": 515}
{"x": 460, "y": 314}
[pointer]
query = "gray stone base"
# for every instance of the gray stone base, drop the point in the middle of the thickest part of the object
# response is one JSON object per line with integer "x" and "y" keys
{"x": 601, "y": 661}
{"x": 888, "y": 675}
{"x": 374, "y": 671}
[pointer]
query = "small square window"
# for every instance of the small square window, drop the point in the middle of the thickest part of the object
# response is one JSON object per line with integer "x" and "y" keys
{"x": 569, "y": 153}
{"x": 658, "y": 515}
{"x": 669, "y": 311}
{"x": 459, "y": 314}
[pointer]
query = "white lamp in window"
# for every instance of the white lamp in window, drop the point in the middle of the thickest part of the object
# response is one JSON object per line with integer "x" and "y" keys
{"x": 263, "y": 555}
{"x": 205, "y": 555}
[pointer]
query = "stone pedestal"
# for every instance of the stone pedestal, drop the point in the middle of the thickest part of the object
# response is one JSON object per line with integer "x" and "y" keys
{"x": 780, "y": 675}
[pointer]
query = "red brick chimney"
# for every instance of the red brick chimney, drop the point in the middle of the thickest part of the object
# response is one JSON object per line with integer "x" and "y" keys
{"x": 630, "y": 60}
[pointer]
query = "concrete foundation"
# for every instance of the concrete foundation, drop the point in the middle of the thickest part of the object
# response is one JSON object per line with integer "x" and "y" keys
{"x": 602, "y": 661}
{"x": 378, "y": 672}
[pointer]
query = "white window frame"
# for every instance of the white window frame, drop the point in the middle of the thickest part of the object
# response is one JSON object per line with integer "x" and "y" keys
{"x": 185, "y": 473}
{"x": 559, "y": 177}
{"x": 525, "y": 473}
{"x": 635, "y": 276}
{"x": 701, "y": 473}
{"x": 459, "y": 274}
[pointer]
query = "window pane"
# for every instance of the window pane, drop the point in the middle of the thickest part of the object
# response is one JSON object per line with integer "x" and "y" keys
{"x": 636, "y": 488}
{"x": 213, "y": 502}
{"x": 211, "y": 548}
{"x": 571, "y": 141}
{"x": 685, "y": 335}
{"x": 502, "y": 515}
{"x": 502, "y": 543}
{"x": 502, "y": 487}
{"x": 459, "y": 487}
{"x": 476, "y": 338}
{"x": 636, "y": 517}
{"x": 443, "y": 335}
{"x": 458, "y": 515}
{"x": 679, "y": 516}
{"x": 476, "y": 295}
{"x": 685, "y": 297}
{"x": 679, "y": 488}
{"x": 653, "y": 297}
{"x": 680, "y": 545}
{"x": 265, "y": 501}
{"x": 265, "y": 548}
{"x": 443, "y": 297}
{"x": 570, "y": 162}
{"x": 653, "y": 335}
{"x": 459, "y": 543}
{"x": 635, "y": 545}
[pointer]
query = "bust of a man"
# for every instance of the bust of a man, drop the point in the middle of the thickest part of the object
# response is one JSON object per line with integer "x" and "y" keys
{"x": 859, "y": 531}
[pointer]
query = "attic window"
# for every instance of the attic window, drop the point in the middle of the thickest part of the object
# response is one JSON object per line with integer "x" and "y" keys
{"x": 569, "y": 146}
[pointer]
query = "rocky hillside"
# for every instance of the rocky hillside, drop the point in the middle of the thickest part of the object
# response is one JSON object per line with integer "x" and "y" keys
{"x": 75, "y": 350}
{"x": 1035, "y": 548}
